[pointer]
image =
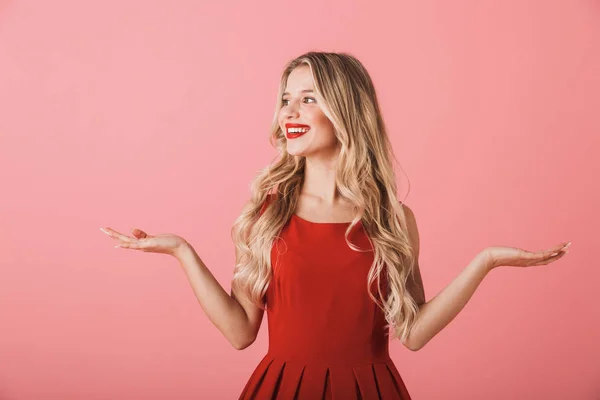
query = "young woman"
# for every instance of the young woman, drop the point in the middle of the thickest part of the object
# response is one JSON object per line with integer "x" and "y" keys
{"x": 328, "y": 250}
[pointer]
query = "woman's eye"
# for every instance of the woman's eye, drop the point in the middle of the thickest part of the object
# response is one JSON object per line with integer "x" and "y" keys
{"x": 283, "y": 102}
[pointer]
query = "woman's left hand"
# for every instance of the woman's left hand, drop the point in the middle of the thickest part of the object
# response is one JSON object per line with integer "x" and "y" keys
{"x": 515, "y": 257}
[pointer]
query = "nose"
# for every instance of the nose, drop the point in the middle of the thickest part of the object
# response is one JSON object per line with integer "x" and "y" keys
{"x": 291, "y": 111}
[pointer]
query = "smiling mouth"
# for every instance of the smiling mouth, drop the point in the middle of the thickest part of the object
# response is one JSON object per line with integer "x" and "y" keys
{"x": 296, "y": 132}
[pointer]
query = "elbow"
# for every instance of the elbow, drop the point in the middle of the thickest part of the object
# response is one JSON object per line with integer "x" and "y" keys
{"x": 242, "y": 338}
{"x": 239, "y": 346}
{"x": 412, "y": 344}
{"x": 412, "y": 347}
{"x": 242, "y": 344}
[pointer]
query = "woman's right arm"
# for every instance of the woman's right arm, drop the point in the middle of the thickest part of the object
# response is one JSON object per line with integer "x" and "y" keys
{"x": 238, "y": 319}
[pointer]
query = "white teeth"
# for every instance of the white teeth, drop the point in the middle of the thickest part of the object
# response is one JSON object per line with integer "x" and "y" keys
{"x": 296, "y": 130}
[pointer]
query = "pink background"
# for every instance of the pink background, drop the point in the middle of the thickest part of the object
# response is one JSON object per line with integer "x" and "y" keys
{"x": 155, "y": 114}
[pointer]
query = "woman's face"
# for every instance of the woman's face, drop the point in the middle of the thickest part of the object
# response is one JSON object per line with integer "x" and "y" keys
{"x": 300, "y": 109}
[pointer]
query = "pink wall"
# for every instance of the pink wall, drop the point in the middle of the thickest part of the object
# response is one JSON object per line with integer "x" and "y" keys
{"x": 156, "y": 114}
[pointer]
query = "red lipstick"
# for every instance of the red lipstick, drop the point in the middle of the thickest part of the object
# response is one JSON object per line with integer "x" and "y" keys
{"x": 293, "y": 135}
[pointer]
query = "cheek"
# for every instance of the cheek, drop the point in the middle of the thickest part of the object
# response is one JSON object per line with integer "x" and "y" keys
{"x": 324, "y": 123}
{"x": 319, "y": 118}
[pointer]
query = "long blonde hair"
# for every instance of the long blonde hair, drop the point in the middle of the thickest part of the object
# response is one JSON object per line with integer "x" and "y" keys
{"x": 365, "y": 176}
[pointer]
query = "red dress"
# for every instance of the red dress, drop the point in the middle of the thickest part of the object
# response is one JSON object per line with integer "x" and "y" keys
{"x": 326, "y": 336}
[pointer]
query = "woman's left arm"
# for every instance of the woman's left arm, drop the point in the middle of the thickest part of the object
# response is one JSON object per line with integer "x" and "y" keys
{"x": 438, "y": 312}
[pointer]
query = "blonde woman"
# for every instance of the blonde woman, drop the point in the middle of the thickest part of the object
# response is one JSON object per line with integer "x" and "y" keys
{"x": 328, "y": 250}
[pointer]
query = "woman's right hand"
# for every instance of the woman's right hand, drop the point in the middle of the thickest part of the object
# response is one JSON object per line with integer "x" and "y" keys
{"x": 164, "y": 243}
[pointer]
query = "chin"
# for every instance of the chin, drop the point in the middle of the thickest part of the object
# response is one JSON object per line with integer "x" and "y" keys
{"x": 295, "y": 152}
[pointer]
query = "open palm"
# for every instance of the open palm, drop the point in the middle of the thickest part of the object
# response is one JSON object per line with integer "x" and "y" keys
{"x": 515, "y": 257}
{"x": 165, "y": 243}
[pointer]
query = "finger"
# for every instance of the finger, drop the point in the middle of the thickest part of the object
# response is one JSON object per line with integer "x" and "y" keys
{"x": 116, "y": 235}
{"x": 550, "y": 252}
{"x": 138, "y": 233}
{"x": 559, "y": 255}
{"x": 556, "y": 254}
{"x": 559, "y": 247}
{"x": 110, "y": 232}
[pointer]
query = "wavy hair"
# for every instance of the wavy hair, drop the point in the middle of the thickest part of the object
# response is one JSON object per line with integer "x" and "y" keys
{"x": 365, "y": 176}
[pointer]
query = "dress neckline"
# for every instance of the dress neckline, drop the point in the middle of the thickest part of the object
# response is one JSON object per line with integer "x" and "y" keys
{"x": 320, "y": 223}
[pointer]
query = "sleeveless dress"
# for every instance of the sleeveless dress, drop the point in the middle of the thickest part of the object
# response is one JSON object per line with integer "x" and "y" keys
{"x": 326, "y": 336}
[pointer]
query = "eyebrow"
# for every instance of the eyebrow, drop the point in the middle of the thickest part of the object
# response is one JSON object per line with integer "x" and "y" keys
{"x": 302, "y": 91}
